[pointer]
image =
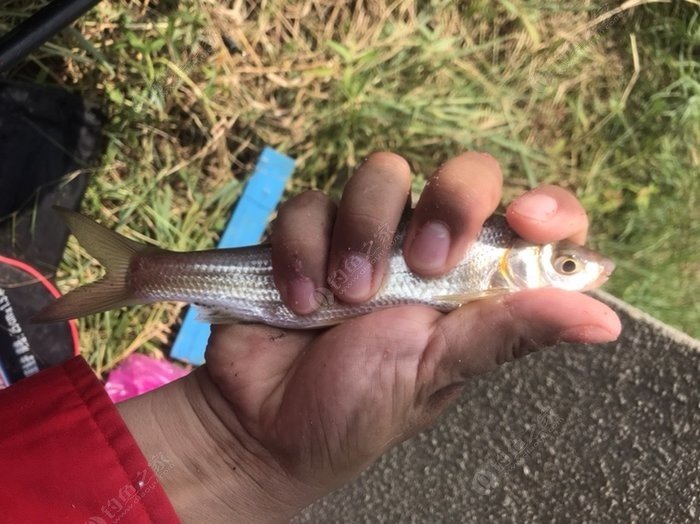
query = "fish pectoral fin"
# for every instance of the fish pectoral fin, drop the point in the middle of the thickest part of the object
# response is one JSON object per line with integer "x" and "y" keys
{"x": 463, "y": 298}
{"x": 214, "y": 315}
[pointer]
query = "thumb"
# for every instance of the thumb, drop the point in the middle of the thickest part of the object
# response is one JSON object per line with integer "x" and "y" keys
{"x": 480, "y": 336}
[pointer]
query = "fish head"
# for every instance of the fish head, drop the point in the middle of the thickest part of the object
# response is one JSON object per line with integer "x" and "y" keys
{"x": 562, "y": 265}
{"x": 566, "y": 265}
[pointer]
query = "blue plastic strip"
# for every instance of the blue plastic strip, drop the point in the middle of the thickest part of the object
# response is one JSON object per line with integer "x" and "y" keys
{"x": 246, "y": 227}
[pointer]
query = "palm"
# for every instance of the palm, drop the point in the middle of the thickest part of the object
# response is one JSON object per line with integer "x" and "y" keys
{"x": 325, "y": 404}
{"x": 325, "y": 401}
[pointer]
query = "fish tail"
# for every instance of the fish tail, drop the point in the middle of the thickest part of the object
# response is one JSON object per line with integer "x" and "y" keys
{"x": 115, "y": 253}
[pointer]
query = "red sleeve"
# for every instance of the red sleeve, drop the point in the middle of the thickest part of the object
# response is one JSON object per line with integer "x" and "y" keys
{"x": 67, "y": 455}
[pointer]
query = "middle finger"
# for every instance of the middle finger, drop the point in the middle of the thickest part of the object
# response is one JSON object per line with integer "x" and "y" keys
{"x": 369, "y": 212}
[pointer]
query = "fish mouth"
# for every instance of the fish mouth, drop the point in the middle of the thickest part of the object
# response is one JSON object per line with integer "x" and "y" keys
{"x": 607, "y": 268}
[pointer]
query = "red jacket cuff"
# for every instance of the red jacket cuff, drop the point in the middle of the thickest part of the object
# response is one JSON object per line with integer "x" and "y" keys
{"x": 68, "y": 456}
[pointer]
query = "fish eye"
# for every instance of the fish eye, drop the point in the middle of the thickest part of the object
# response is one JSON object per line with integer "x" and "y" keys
{"x": 567, "y": 265}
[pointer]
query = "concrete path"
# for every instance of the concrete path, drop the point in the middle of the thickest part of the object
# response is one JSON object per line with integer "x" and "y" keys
{"x": 573, "y": 434}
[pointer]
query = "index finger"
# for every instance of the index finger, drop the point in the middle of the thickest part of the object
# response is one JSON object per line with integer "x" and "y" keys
{"x": 456, "y": 201}
{"x": 548, "y": 214}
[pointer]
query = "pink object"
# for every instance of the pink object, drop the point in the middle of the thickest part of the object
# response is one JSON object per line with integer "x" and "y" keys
{"x": 139, "y": 374}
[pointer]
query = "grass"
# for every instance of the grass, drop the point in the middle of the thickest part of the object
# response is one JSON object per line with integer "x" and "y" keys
{"x": 602, "y": 98}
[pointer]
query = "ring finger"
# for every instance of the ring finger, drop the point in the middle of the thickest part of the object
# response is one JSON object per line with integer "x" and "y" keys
{"x": 300, "y": 242}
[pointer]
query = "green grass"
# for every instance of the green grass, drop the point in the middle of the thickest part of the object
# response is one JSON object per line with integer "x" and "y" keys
{"x": 602, "y": 100}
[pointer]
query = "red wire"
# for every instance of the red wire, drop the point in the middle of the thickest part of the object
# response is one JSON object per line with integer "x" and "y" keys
{"x": 72, "y": 324}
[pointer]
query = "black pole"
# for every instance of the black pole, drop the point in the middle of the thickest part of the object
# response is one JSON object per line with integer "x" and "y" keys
{"x": 38, "y": 28}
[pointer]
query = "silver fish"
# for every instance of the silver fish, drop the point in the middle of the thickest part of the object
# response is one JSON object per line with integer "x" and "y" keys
{"x": 230, "y": 285}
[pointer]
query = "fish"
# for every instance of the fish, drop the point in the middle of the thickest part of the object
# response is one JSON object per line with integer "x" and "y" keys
{"x": 236, "y": 285}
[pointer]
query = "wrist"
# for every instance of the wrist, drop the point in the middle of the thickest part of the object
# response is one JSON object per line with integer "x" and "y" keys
{"x": 213, "y": 471}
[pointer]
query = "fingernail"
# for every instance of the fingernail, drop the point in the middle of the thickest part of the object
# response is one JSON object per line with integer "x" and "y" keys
{"x": 300, "y": 295}
{"x": 587, "y": 335}
{"x": 353, "y": 279}
{"x": 430, "y": 247}
{"x": 535, "y": 206}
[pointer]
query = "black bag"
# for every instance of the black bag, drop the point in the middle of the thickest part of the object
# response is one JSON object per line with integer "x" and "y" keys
{"x": 46, "y": 136}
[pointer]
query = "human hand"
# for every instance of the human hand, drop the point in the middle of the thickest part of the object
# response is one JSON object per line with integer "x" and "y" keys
{"x": 298, "y": 413}
{"x": 324, "y": 404}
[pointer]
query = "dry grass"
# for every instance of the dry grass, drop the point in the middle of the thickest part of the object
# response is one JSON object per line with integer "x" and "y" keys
{"x": 574, "y": 93}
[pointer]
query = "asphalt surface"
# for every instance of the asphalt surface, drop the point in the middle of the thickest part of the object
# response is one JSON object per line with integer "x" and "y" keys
{"x": 574, "y": 434}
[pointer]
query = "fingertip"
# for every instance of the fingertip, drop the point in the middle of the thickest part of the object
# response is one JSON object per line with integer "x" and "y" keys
{"x": 603, "y": 325}
{"x": 610, "y": 322}
{"x": 548, "y": 214}
{"x": 569, "y": 316}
